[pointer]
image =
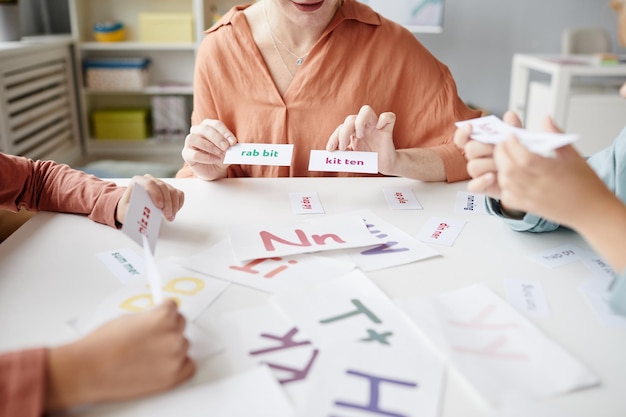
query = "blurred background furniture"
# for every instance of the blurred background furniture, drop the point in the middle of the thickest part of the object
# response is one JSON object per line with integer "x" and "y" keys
{"x": 585, "y": 40}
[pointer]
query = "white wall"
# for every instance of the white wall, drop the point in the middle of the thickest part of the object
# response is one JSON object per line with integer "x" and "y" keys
{"x": 480, "y": 37}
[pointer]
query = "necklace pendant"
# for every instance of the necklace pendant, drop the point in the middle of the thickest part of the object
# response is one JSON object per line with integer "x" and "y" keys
{"x": 299, "y": 61}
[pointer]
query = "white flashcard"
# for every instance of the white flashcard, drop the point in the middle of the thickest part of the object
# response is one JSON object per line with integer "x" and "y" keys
{"x": 259, "y": 154}
{"x": 599, "y": 303}
{"x": 271, "y": 275}
{"x": 344, "y": 161}
{"x": 598, "y": 266}
{"x": 490, "y": 129}
{"x": 401, "y": 199}
{"x": 394, "y": 247}
{"x": 441, "y": 231}
{"x": 124, "y": 263}
{"x": 559, "y": 256}
{"x": 265, "y": 335}
{"x": 142, "y": 218}
{"x": 470, "y": 203}
{"x": 251, "y": 393}
{"x": 527, "y": 296}
{"x": 500, "y": 352}
{"x": 316, "y": 235}
{"x": 306, "y": 203}
{"x": 360, "y": 381}
{"x": 193, "y": 292}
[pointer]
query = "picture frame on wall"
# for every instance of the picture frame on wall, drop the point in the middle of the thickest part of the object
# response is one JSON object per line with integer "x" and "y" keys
{"x": 418, "y": 16}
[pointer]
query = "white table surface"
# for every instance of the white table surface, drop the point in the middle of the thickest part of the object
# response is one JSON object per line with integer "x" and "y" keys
{"x": 49, "y": 273}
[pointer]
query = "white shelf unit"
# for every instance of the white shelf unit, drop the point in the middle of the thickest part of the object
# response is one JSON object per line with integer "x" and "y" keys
{"x": 171, "y": 65}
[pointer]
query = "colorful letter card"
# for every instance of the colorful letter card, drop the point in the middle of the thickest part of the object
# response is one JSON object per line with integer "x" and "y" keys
{"x": 259, "y": 154}
{"x": 322, "y": 234}
{"x": 193, "y": 292}
{"x": 371, "y": 348}
{"x": 142, "y": 218}
{"x": 344, "y": 161}
{"x": 265, "y": 335}
{"x": 490, "y": 129}
{"x": 272, "y": 275}
{"x": 361, "y": 381}
{"x": 500, "y": 352}
{"x": 401, "y": 199}
{"x": 394, "y": 247}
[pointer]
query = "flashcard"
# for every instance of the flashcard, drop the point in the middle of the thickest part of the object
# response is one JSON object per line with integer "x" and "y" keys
{"x": 251, "y": 393}
{"x": 597, "y": 265}
{"x": 470, "y": 203}
{"x": 192, "y": 291}
{"x": 441, "y": 231}
{"x": 490, "y": 129}
{"x": 142, "y": 218}
{"x": 401, "y": 199}
{"x": 599, "y": 303}
{"x": 306, "y": 203}
{"x": 259, "y": 154}
{"x": 348, "y": 310}
{"x": 500, "y": 352}
{"x": 559, "y": 256}
{"x": 527, "y": 297}
{"x": 361, "y": 381}
{"x": 265, "y": 335}
{"x": 271, "y": 275}
{"x": 394, "y": 247}
{"x": 124, "y": 263}
{"x": 316, "y": 235}
{"x": 344, "y": 161}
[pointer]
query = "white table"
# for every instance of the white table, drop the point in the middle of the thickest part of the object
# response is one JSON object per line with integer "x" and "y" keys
{"x": 595, "y": 113}
{"x": 49, "y": 273}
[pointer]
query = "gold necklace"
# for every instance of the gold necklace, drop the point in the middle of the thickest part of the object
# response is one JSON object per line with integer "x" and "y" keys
{"x": 299, "y": 58}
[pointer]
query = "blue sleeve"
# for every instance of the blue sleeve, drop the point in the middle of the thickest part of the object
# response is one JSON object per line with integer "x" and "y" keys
{"x": 617, "y": 298}
{"x": 530, "y": 222}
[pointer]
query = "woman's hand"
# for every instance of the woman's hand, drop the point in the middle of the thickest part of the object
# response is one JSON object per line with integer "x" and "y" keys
{"x": 204, "y": 149}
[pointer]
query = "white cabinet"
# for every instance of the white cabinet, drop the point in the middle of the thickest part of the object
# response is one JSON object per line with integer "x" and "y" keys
{"x": 581, "y": 95}
{"x": 170, "y": 71}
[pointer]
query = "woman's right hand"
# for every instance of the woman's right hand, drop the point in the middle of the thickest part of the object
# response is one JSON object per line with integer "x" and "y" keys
{"x": 204, "y": 149}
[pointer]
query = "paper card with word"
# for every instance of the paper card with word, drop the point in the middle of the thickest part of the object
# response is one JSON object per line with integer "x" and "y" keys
{"x": 490, "y": 129}
{"x": 306, "y": 203}
{"x": 124, "y": 263}
{"x": 142, "y": 218}
{"x": 265, "y": 335}
{"x": 558, "y": 256}
{"x": 500, "y": 352}
{"x": 192, "y": 291}
{"x": 259, "y": 154}
{"x": 316, "y": 235}
{"x": 251, "y": 393}
{"x": 527, "y": 296}
{"x": 441, "y": 231}
{"x": 344, "y": 161}
{"x": 401, "y": 199}
{"x": 470, "y": 203}
{"x": 273, "y": 275}
{"x": 394, "y": 246}
{"x": 360, "y": 381}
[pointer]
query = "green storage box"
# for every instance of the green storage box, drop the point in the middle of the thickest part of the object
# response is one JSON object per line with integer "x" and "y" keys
{"x": 132, "y": 124}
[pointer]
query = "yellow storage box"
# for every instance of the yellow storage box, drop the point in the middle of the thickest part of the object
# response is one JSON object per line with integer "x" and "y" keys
{"x": 166, "y": 27}
{"x": 131, "y": 124}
